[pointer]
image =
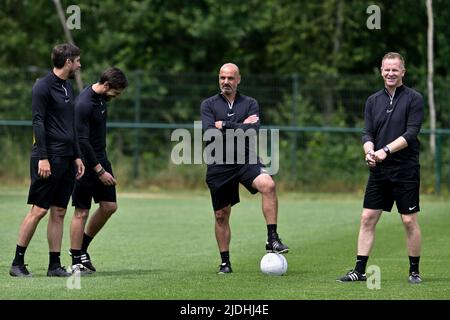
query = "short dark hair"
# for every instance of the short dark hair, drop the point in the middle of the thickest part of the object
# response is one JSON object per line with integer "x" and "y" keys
{"x": 62, "y": 52}
{"x": 115, "y": 78}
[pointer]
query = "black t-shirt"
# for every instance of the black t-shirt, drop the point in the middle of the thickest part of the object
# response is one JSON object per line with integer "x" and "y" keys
{"x": 53, "y": 118}
{"x": 387, "y": 118}
{"x": 91, "y": 115}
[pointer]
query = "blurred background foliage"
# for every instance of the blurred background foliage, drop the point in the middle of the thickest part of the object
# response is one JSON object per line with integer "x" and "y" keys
{"x": 308, "y": 63}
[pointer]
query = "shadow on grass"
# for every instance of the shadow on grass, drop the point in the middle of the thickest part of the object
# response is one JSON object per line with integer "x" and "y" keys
{"x": 115, "y": 273}
{"x": 126, "y": 272}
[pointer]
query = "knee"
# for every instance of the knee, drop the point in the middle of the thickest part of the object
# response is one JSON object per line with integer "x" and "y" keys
{"x": 108, "y": 208}
{"x": 268, "y": 186}
{"x": 81, "y": 214}
{"x": 38, "y": 213}
{"x": 409, "y": 223}
{"x": 221, "y": 216}
{"x": 58, "y": 213}
{"x": 368, "y": 221}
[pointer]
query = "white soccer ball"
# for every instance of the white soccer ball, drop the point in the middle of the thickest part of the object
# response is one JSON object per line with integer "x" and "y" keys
{"x": 274, "y": 264}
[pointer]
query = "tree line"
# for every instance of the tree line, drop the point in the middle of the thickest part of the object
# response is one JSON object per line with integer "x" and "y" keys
{"x": 326, "y": 43}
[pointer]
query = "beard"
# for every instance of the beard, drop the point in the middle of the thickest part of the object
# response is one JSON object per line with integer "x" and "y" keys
{"x": 227, "y": 90}
{"x": 72, "y": 74}
{"x": 106, "y": 97}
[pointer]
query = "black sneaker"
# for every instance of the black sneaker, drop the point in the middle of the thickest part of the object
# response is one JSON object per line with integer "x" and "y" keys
{"x": 86, "y": 261}
{"x": 274, "y": 244}
{"x": 19, "y": 271}
{"x": 58, "y": 271}
{"x": 414, "y": 278}
{"x": 225, "y": 268}
{"x": 352, "y": 275}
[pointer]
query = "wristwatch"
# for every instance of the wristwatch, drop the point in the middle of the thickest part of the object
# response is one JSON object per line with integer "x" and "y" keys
{"x": 386, "y": 149}
{"x": 224, "y": 124}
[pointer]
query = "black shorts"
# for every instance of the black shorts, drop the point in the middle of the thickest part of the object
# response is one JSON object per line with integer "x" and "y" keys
{"x": 57, "y": 188}
{"x": 388, "y": 185}
{"x": 90, "y": 187}
{"x": 223, "y": 182}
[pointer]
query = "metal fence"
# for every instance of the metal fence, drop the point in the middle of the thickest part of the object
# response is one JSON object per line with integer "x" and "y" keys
{"x": 319, "y": 119}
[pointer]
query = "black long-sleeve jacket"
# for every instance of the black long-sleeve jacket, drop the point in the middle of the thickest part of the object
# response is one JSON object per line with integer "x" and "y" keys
{"x": 91, "y": 115}
{"x": 217, "y": 108}
{"x": 53, "y": 118}
{"x": 387, "y": 118}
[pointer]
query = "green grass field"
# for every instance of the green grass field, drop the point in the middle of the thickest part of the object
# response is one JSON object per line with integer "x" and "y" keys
{"x": 162, "y": 246}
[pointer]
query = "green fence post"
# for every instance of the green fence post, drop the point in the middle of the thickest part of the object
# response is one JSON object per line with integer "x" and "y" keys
{"x": 137, "y": 120}
{"x": 294, "y": 124}
{"x": 447, "y": 164}
{"x": 438, "y": 162}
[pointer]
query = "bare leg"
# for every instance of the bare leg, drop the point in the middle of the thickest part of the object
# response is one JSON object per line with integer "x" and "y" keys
{"x": 99, "y": 218}
{"x": 222, "y": 228}
{"x": 266, "y": 186}
{"x": 413, "y": 234}
{"x": 55, "y": 228}
{"x": 29, "y": 225}
{"x": 77, "y": 228}
{"x": 366, "y": 238}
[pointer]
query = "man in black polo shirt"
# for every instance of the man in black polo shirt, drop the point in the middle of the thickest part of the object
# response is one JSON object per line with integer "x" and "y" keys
{"x": 231, "y": 110}
{"x": 98, "y": 182}
{"x": 55, "y": 158}
{"x": 393, "y": 117}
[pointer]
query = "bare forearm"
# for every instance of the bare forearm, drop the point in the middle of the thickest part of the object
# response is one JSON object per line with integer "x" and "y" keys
{"x": 397, "y": 145}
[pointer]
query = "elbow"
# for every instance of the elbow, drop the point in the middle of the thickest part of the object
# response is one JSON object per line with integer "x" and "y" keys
{"x": 409, "y": 138}
{"x": 411, "y": 135}
{"x": 367, "y": 138}
{"x": 37, "y": 122}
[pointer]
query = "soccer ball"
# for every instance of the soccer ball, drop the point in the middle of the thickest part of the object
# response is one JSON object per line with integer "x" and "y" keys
{"x": 274, "y": 264}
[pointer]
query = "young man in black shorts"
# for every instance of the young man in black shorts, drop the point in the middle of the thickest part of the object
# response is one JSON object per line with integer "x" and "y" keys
{"x": 55, "y": 158}
{"x": 393, "y": 117}
{"x": 98, "y": 183}
{"x": 231, "y": 110}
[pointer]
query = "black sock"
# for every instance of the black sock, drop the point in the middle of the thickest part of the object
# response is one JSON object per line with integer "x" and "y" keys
{"x": 414, "y": 264}
{"x": 86, "y": 241}
{"x": 361, "y": 262}
{"x": 19, "y": 258}
{"x": 76, "y": 256}
{"x": 271, "y": 230}
{"x": 225, "y": 255}
{"x": 54, "y": 261}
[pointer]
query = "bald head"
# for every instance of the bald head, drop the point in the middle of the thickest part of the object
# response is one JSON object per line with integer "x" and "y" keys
{"x": 230, "y": 67}
{"x": 229, "y": 79}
